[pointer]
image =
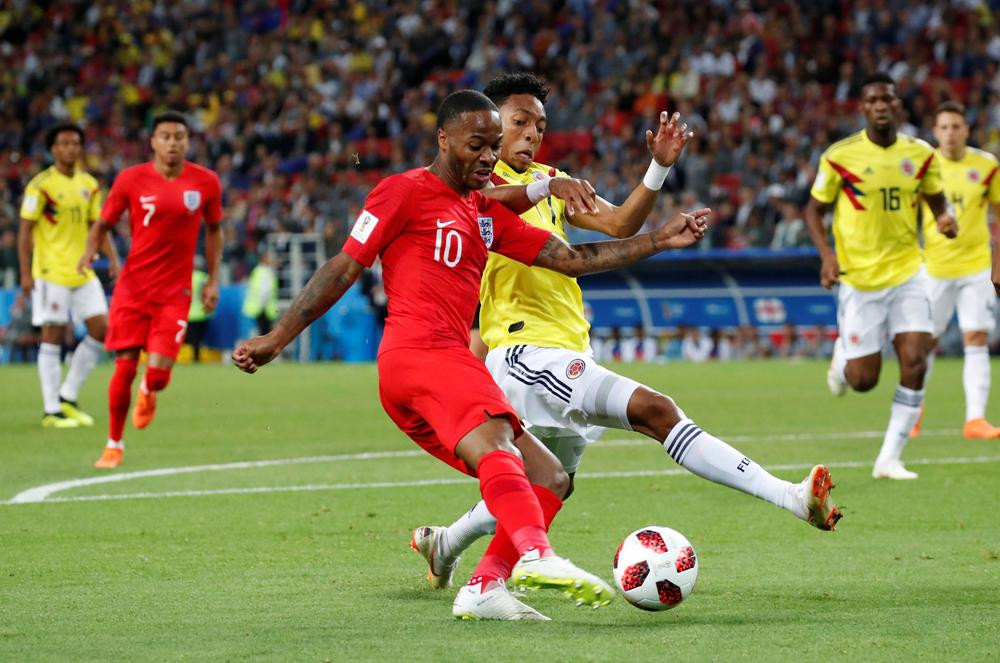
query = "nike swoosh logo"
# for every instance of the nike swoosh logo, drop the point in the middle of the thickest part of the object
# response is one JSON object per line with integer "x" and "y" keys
{"x": 146, "y": 199}
{"x": 444, "y": 224}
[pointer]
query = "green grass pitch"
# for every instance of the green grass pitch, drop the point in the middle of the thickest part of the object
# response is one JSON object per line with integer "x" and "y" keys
{"x": 307, "y": 559}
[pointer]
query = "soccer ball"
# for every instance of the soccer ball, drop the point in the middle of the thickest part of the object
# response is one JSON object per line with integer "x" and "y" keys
{"x": 655, "y": 568}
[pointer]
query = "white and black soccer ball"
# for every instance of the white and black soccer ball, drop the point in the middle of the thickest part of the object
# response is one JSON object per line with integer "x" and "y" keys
{"x": 655, "y": 568}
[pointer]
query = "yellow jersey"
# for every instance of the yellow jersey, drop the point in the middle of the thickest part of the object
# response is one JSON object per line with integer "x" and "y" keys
{"x": 526, "y": 305}
{"x": 62, "y": 209}
{"x": 970, "y": 184}
{"x": 876, "y": 190}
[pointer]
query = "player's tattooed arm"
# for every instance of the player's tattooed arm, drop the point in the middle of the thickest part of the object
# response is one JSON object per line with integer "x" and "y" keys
{"x": 680, "y": 231}
{"x": 519, "y": 198}
{"x": 829, "y": 272}
{"x": 943, "y": 214}
{"x": 323, "y": 290}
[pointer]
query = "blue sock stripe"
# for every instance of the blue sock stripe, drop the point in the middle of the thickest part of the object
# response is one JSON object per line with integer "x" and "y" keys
{"x": 686, "y": 430}
{"x": 688, "y": 443}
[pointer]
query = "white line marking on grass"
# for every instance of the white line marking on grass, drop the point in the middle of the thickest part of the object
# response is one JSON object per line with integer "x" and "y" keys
{"x": 446, "y": 482}
{"x": 43, "y": 492}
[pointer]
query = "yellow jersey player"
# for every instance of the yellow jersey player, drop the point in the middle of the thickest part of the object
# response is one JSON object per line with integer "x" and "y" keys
{"x": 58, "y": 207}
{"x": 872, "y": 180}
{"x": 532, "y": 321}
{"x": 960, "y": 269}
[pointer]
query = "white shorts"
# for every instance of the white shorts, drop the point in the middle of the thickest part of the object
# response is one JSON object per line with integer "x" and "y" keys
{"x": 51, "y": 303}
{"x": 868, "y": 318}
{"x": 566, "y": 399}
{"x": 972, "y": 296}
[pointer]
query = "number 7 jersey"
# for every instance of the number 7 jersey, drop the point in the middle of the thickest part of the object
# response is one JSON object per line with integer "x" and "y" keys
{"x": 434, "y": 244}
{"x": 876, "y": 193}
{"x": 164, "y": 217}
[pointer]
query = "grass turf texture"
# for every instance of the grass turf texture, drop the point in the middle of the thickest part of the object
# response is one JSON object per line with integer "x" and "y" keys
{"x": 326, "y": 574}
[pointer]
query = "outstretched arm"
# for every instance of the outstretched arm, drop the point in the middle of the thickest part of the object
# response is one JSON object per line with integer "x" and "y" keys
{"x": 519, "y": 198}
{"x": 624, "y": 221}
{"x": 680, "y": 231}
{"x": 829, "y": 272}
{"x": 323, "y": 290}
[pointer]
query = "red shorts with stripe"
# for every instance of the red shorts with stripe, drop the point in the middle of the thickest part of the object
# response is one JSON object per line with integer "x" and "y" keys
{"x": 437, "y": 396}
{"x": 157, "y": 328}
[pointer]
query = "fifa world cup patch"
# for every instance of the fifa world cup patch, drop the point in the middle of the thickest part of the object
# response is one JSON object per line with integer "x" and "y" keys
{"x": 192, "y": 200}
{"x": 576, "y": 369}
{"x": 364, "y": 226}
{"x": 486, "y": 229}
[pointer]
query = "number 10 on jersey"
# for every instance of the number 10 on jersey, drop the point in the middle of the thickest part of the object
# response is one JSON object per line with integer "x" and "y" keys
{"x": 450, "y": 244}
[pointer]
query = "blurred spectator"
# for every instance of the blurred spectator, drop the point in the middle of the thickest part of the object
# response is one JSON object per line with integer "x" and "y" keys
{"x": 197, "y": 323}
{"x": 695, "y": 346}
{"x": 638, "y": 347}
{"x": 790, "y": 345}
{"x": 301, "y": 106}
{"x": 260, "y": 303}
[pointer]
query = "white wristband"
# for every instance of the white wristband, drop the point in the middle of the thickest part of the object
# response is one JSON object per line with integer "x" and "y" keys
{"x": 655, "y": 175}
{"x": 537, "y": 190}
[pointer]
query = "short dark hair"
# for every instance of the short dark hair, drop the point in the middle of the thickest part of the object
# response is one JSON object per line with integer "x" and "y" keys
{"x": 56, "y": 129}
{"x": 949, "y": 107}
{"x": 170, "y": 116}
{"x": 877, "y": 77}
{"x": 503, "y": 86}
{"x": 462, "y": 101}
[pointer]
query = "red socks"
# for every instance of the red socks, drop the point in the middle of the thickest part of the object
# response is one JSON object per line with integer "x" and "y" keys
{"x": 156, "y": 379}
{"x": 523, "y": 512}
{"x": 120, "y": 395}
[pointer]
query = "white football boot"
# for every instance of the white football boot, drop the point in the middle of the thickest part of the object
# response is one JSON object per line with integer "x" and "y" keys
{"x": 427, "y": 541}
{"x": 814, "y": 491}
{"x": 893, "y": 469}
{"x": 835, "y": 379}
{"x": 496, "y": 603}
{"x": 535, "y": 572}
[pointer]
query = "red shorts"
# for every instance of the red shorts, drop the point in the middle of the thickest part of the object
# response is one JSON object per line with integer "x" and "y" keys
{"x": 437, "y": 396}
{"x": 157, "y": 328}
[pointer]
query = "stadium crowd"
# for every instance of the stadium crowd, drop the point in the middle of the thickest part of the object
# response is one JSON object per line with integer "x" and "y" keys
{"x": 302, "y": 105}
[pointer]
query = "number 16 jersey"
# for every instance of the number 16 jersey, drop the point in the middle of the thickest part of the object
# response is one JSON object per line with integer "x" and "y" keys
{"x": 434, "y": 244}
{"x": 876, "y": 190}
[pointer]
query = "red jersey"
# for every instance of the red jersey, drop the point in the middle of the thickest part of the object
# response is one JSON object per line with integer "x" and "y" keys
{"x": 434, "y": 244}
{"x": 165, "y": 216}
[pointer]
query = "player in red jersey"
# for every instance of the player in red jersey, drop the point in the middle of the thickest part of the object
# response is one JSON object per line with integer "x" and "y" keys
{"x": 433, "y": 228}
{"x": 167, "y": 200}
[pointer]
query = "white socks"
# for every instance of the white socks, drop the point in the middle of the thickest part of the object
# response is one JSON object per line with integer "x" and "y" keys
{"x": 49, "y": 373}
{"x": 84, "y": 360}
{"x": 905, "y": 411}
{"x": 475, "y": 523}
{"x": 976, "y": 380}
{"x": 713, "y": 459}
{"x": 120, "y": 444}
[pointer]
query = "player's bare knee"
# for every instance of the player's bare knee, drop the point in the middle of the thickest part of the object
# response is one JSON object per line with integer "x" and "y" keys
{"x": 558, "y": 481}
{"x": 652, "y": 413}
{"x": 974, "y": 339}
{"x": 862, "y": 381}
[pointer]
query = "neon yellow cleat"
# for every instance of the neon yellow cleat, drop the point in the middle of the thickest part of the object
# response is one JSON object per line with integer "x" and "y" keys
{"x": 73, "y": 411}
{"x": 59, "y": 420}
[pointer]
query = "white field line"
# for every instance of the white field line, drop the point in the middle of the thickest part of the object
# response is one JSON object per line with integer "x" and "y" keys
{"x": 43, "y": 493}
{"x": 446, "y": 482}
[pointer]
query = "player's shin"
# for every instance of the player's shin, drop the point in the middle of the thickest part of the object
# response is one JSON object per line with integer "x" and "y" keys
{"x": 509, "y": 496}
{"x": 49, "y": 372}
{"x": 477, "y": 522}
{"x": 84, "y": 360}
{"x": 905, "y": 411}
{"x": 120, "y": 395}
{"x": 976, "y": 380}
{"x": 711, "y": 458}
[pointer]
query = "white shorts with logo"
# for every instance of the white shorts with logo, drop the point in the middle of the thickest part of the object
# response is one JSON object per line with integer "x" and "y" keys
{"x": 566, "y": 399}
{"x": 972, "y": 296}
{"x": 51, "y": 303}
{"x": 868, "y": 318}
